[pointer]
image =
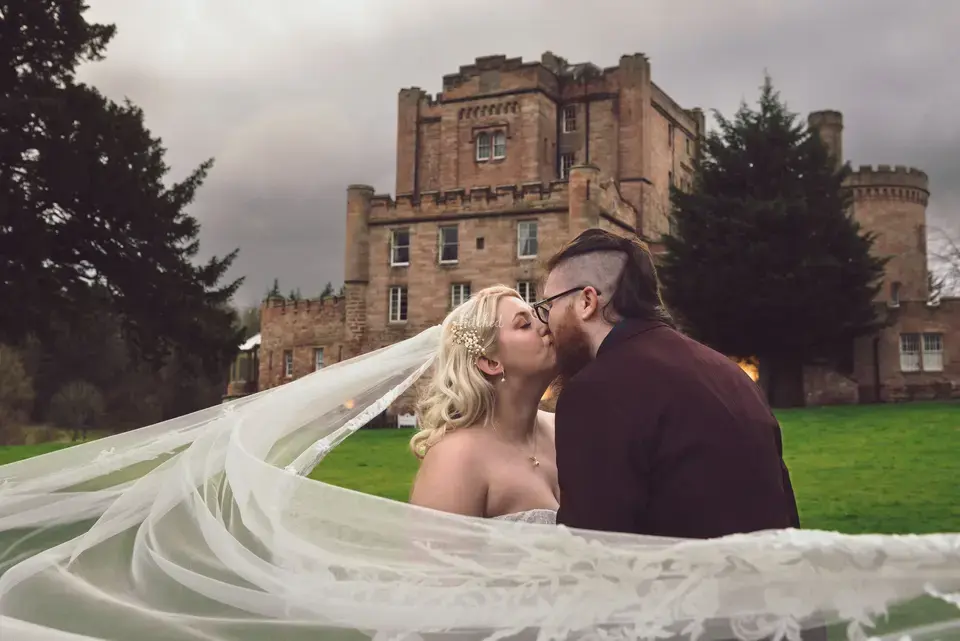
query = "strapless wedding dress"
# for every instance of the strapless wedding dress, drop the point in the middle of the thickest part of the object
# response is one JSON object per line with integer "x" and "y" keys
{"x": 545, "y": 516}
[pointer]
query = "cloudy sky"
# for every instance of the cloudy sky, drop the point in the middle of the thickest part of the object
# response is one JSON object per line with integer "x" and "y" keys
{"x": 296, "y": 99}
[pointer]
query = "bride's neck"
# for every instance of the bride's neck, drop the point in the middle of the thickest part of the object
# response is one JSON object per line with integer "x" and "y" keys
{"x": 515, "y": 410}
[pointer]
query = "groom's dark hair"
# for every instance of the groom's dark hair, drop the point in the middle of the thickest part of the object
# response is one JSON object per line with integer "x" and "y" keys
{"x": 636, "y": 294}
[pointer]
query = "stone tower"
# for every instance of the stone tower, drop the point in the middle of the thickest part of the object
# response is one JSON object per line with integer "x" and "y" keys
{"x": 356, "y": 271}
{"x": 830, "y": 126}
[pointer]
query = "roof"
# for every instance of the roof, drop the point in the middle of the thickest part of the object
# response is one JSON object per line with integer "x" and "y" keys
{"x": 252, "y": 342}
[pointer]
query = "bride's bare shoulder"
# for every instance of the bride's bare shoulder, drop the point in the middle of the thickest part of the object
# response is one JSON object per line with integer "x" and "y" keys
{"x": 452, "y": 477}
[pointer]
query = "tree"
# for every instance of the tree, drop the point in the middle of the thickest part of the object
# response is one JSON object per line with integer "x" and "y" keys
{"x": 327, "y": 290}
{"x": 765, "y": 259}
{"x": 274, "y": 292}
{"x": 945, "y": 258}
{"x": 83, "y": 203}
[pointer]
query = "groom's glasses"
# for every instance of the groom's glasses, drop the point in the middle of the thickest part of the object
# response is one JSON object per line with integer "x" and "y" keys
{"x": 542, "y": 308}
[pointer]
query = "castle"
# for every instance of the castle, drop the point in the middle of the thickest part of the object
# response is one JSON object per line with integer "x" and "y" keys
{"x": 513, "y": 159}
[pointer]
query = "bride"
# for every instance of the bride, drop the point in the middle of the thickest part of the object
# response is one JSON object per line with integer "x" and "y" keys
{"x": 487, "y": 449}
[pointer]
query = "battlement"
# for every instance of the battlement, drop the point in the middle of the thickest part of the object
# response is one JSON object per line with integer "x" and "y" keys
{"x": 307, "y": 306}
{"x": 416, "y": 93}
{"x": 898, "y": 176}
{"x": 531, "y": 196}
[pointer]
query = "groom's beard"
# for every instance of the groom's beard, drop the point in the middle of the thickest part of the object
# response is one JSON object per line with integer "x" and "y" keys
{"x": 573, "y": 351}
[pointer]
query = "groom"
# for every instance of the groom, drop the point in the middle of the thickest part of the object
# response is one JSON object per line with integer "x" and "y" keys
{"x": 656, "y": 433}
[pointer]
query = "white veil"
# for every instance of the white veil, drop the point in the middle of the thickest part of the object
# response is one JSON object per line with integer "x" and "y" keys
{"x": 205, "y": 528}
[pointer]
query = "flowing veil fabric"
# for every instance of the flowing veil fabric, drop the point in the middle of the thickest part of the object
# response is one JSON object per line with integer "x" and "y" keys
{"x": 205, "y": 527}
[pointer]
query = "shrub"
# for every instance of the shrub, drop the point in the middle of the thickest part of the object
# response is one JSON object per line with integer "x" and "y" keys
{"x": 16, "y": 396}
{"x": 77, "y": 406}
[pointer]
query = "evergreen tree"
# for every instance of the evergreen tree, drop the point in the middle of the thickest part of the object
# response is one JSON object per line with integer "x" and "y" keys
{"x": 327, "y": 290}
{"x": 765, "y": 259}
{"x": 274, "y": 292}
{"x": 83, "y": 202}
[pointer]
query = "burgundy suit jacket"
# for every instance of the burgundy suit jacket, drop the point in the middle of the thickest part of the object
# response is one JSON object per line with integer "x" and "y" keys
{"x": 661, "y": 435}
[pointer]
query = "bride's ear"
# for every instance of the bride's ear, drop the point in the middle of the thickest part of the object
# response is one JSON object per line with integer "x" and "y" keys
{"x": 489, "y": 367}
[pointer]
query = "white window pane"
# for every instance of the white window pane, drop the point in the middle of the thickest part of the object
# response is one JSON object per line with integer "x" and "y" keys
{"x": 933, "y": 352}
{"x": 910, "y": 352}
{"x": 499, "y": 145}
{"x": 483, "y": 147}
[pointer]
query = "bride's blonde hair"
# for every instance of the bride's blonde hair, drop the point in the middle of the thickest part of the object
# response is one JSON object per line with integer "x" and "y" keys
{"x": 459, "y": 394}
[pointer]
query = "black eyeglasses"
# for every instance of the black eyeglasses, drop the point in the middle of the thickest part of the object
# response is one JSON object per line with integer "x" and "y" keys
{"x": 542, "y": 308}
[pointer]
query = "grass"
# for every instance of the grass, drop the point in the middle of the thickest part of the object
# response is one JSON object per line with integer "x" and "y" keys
{"x": 882, "y": 468}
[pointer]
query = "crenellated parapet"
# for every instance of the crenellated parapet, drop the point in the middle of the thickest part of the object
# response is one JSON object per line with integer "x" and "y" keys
{"x": 327, "y": 307}
{"x": 888, "y": 182}
{"x": 532, "y": 196}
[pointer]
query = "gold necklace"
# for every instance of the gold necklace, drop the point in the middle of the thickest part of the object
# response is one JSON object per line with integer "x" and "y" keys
{"x": 533, "y": 457}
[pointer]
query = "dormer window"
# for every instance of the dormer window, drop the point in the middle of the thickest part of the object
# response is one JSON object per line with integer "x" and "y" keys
{"x": 491, "y": 145}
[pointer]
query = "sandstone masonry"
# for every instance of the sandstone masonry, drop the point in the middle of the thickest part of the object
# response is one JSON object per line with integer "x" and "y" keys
{"x": 514, "y": 158}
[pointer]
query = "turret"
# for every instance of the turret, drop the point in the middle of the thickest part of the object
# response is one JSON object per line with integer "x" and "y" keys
{"x": 892, "y": 203}
{"x": 356, "y": 271}
{"x": 830, "y": 126}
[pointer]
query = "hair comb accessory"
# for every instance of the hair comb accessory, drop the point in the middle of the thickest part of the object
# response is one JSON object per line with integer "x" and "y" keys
{"x": 468, "y": 337}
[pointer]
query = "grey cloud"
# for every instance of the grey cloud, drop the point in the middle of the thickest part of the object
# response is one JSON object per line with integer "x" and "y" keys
{"x": 298, "y": 100}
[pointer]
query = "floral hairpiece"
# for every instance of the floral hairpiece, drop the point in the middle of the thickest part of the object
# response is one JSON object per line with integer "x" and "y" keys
{"x": 468, "y": 337}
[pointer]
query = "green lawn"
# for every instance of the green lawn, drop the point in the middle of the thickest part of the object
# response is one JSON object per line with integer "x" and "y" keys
{"x": 880, "y": 468}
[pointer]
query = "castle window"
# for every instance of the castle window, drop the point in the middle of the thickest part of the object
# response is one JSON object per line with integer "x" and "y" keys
{"x": 895, "y": 294}
{"x": 318, "y": 358}
{"x": 569, "y": 119}
{"x": 670, "y": 131}
{"x": 687, "y": 142}
{"x": 566, "y": 162}
{"x": 932, "y": 352}
{"x": 483, "y": 146}
{"x": 288, "y": 364}
{"x": 479, "y": 242}
{"x": 449, "y": 244}
{"x": 929, "y": 359}
{"x": 400, "y": 247}
{"x": 398, "y": 304}
{"x": 459, "y": 294}
{"x": 527, "y": 239}
{"x": 527, "y": 290}
{"x": 499, "y": 145}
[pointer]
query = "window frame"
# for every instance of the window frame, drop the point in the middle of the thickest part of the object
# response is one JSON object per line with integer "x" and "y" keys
{"x": 521, "y": 224}
{"x": 441, "y": 244}
{"x": 394, "y": 247}
{"x": 483, "y": 138}
{"x": 465, "y": 291}
{"x": 402, "y": 304}
{"x": 568, "y": 114}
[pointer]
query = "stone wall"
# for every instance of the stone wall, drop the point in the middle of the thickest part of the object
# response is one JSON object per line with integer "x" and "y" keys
{"x": 299, "y": 327}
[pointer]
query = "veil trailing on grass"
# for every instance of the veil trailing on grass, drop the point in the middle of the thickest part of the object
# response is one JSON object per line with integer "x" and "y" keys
{"x": 206, "y": 528}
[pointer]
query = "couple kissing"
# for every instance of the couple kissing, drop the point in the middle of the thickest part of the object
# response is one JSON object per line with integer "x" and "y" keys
{"x": 654, "y": 433}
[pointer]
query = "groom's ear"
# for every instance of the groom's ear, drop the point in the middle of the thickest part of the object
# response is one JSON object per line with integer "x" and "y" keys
{"x": 589, "y": 304}
{"x": 489, "y": 367}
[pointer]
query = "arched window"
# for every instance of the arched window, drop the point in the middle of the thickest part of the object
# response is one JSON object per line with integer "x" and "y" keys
{"x": 499, "y": 145}
{"x": 483, "y": 146}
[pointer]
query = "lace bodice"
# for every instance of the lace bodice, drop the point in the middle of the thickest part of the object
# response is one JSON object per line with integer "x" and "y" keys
{"x": 548, "y": 517}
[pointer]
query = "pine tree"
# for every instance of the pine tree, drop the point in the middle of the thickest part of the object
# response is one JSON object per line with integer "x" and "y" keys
{"x": 83, "y": 202}
{"x": 764, "y": 259}
{"x": 274, "y": 292}
{"x": 327, "y": 290}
